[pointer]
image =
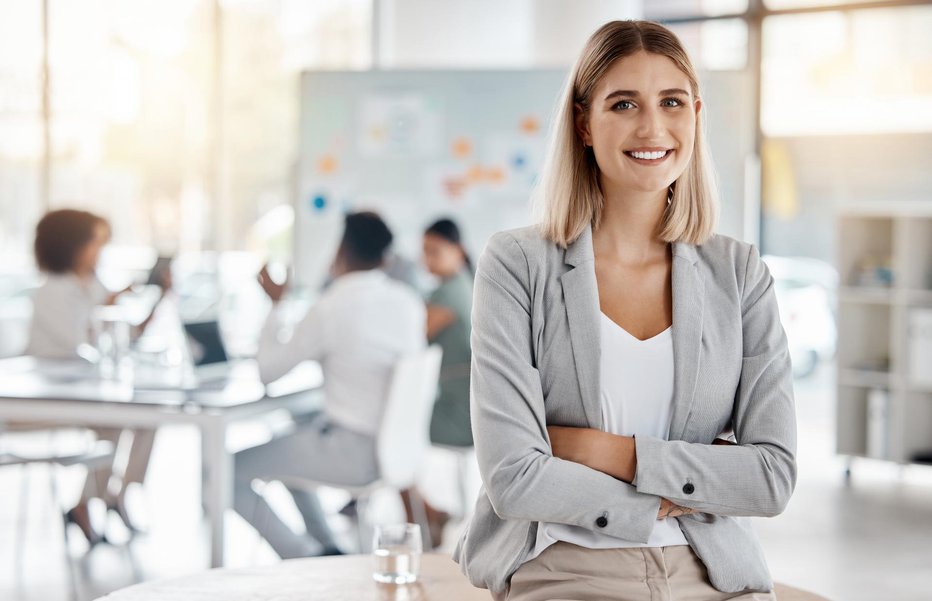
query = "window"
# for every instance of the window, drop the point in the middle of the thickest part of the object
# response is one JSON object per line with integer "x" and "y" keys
{"x": 670, "y": 9}
{"x": 20, "y": 125}
{"x": 719, "y": 45}
{"x": 130, "y": 93}
{"x": 864, "y": 71}
{"x": 267, "y": 43}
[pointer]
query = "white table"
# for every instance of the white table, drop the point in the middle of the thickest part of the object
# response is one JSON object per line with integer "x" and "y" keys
{"x": 70, "y": 394}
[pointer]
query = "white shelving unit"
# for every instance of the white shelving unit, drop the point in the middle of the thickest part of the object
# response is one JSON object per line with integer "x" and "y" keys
{"x": 884, "y": 260}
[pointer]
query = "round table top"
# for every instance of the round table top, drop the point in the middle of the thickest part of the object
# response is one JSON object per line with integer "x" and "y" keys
{"x": 346, "y": 578}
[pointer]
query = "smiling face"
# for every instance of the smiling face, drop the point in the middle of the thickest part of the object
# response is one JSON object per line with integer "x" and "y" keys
{"x": 641, "y": 124}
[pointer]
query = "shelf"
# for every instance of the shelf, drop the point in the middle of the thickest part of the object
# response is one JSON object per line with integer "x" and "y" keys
{"x": 917, "y": 208}
{"x": 884, "y": 296}
{"x": 920, "y": 388}
{"x": 882, "y": 330}
{"x": 864, "y": 378}
{"x": 863, "y": 294}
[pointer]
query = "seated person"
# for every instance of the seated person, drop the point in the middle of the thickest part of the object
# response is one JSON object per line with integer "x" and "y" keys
{"x": 448, "y": 324}
{"x": 67, "y": 247}
{"x": 358, "y": 330}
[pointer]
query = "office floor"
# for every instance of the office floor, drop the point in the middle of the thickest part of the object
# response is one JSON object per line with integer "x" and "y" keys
{"x": 868, "y": 541}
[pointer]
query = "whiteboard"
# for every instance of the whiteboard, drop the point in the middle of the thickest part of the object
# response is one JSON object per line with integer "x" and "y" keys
{"x": 416, "y": 146}
{"x": 419, "y": 145}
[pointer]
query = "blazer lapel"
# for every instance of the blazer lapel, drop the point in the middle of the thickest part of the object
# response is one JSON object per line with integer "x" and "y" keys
{"x": 581, "y": 297}
{"x": 688, "y": 302}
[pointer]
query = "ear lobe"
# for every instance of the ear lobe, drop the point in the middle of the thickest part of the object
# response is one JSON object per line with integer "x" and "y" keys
{"x": 582, "y": 124}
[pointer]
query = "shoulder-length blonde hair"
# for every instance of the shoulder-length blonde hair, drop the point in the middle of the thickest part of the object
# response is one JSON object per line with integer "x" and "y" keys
{"x": 567, "y": 197}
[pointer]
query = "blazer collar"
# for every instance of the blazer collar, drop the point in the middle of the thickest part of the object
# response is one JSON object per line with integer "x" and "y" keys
{"x": 580, "y": 250}
{"x": 581, "y": 295}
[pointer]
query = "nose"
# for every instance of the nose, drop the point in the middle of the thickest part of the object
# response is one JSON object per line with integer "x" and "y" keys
{"x": 650, "y": 123}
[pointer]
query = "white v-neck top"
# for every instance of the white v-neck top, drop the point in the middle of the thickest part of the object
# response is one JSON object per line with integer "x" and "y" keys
{"x": 637, "y": 399}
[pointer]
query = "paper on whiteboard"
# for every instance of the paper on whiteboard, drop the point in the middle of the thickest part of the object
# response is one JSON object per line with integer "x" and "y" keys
{"x": 402, "y": 125}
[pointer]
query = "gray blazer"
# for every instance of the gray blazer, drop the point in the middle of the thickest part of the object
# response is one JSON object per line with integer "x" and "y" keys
{"x": 536, "y": 352}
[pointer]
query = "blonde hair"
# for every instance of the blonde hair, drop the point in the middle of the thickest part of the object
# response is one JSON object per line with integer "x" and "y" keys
{"x": 567, "y": 197}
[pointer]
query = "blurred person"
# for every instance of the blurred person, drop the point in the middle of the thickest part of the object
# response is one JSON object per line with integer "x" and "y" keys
{"x": 618, "y": 345}
{"x": 358, "y": 330}
{"x": 67, "y": 247}
{"x": 448, "y": 324}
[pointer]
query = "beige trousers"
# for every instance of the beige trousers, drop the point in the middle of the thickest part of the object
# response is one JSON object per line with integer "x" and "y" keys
{"x": 569, "y": 572}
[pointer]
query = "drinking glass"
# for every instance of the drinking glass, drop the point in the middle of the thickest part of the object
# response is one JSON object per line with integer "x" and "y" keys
{"x": 397, "y": 550}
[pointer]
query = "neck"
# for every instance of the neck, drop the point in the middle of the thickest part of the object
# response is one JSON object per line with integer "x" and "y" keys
{"x": 630, "y": 226}
{"x": 83, "y": 273}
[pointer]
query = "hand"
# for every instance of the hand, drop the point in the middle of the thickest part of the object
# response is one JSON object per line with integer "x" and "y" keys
{"x": 113, "y": 296}
{"x": 669, "y": 509}
{"x": 166, "y": 281}
{"x": 274, "y": 290}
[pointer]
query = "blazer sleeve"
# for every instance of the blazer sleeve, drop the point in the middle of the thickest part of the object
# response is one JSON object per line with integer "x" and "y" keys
{"x": 757, "y": 477}
{"x": 522, "y": 478}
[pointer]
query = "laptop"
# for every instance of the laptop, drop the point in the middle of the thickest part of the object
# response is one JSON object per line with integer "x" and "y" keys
{"x": 211, "y": 362}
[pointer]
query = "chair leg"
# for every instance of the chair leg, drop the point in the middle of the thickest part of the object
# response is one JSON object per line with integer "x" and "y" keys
{"x": 420, "y": 517}
{"x": 20, "y": 534}
{"x": 255, "y": 518}
{"x": 362, "y": 524}
{"x": 69, "y": 562}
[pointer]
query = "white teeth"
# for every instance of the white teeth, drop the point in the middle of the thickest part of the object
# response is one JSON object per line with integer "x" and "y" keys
{"x": 649, "y": 155}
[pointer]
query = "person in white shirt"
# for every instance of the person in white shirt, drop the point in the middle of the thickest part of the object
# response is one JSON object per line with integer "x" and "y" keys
{"x": 67, "y": 247}
{"x": 358, "y": 330}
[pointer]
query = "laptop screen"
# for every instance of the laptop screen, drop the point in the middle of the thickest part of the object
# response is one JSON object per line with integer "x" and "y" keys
{"x": 207, "y": 344}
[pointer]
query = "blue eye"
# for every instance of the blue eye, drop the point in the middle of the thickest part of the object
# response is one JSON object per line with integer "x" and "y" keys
{"x": 627, "y": 104}
{"x": 675, "y": 101}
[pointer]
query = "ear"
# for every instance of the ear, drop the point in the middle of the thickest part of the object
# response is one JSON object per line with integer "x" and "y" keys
{"x": 698, "y": 105}
{"x": 581, "y": 121}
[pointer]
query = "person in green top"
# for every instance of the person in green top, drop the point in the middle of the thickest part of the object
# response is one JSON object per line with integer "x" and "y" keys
{"x": 448, "y": 324}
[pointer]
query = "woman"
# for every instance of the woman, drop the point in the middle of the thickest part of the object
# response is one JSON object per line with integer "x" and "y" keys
{"x": 448, "y": 324}
{"x": 615, "y": 346}
{"x": 67, "y": 247}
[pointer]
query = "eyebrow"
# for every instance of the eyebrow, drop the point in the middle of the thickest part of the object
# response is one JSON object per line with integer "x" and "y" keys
{"x": 635, "y": 93}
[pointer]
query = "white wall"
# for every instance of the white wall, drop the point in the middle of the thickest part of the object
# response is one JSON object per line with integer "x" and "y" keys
{"x": 491, "y": 33}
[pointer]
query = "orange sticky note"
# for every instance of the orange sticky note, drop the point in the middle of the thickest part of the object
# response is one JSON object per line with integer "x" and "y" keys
{"x": 461, "y": 148}
{"x": 530, "y": 124}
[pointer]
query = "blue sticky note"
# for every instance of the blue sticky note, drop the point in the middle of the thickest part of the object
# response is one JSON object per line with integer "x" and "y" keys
{"x": 318, "y": 202}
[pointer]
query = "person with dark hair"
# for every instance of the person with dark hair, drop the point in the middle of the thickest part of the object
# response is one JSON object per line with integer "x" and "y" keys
{"x": 362, "y": 325}
{"x": 67, "y": 247}
{"x": 448, "y": 324}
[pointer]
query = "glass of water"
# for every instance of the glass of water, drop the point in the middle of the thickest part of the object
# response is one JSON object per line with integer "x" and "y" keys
{"x": 397, "y": 549}
{"x": 111, "y": 340}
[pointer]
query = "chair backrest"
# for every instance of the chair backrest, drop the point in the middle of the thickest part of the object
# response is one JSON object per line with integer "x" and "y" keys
{"x": 404, "y": 434}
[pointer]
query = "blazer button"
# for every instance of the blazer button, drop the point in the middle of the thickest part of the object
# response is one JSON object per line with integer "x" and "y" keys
{"x": 689, "y": 488}
{"x": 601, "y": 521}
